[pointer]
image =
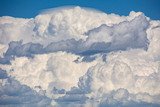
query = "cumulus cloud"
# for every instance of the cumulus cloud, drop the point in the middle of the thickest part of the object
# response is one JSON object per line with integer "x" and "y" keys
{"x": 79, "y": 57}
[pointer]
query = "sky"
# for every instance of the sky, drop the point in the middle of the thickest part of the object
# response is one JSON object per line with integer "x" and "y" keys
{"x": 30, "y": 8}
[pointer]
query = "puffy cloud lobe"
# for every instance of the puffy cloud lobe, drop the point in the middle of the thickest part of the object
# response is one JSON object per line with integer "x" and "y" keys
{"x": 120, "y": 72}
{"x": 153, "y": 35}
{"x": 79, "y": 57}
{"x": 123, "y": 98}
{"x": 60, "y": 70}
{"x": 61, "y": 24}
{"x": 14, "y": 94}
{"x": 101, "y": 39}
{"x": 121, "y": 36}
{"x": 13, "y": 29}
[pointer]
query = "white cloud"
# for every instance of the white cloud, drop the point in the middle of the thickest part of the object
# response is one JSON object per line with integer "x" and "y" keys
{"x": 80, "y": 57}
{"x": 60, "y": 70}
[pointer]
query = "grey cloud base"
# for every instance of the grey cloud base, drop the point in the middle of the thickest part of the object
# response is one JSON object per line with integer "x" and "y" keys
{"x": 79, "y": 57}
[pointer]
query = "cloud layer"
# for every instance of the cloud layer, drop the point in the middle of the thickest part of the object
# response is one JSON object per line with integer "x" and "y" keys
{"x": 80, "y": 57}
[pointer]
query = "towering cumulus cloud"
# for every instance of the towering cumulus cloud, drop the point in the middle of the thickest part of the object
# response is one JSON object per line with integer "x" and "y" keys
{"x": 79, "y": 57}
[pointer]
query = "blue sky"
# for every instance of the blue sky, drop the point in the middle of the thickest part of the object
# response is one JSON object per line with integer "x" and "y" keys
{"x": 30, "y": 8}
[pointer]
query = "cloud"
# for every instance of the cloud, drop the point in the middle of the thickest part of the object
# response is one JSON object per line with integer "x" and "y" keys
{"x": 80, "y": 57}
{"x": 122, "y": 36}
{"x": 14, "y": 94}
{"x": 121, "y": 71}
{"x": 61, "y": 70}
